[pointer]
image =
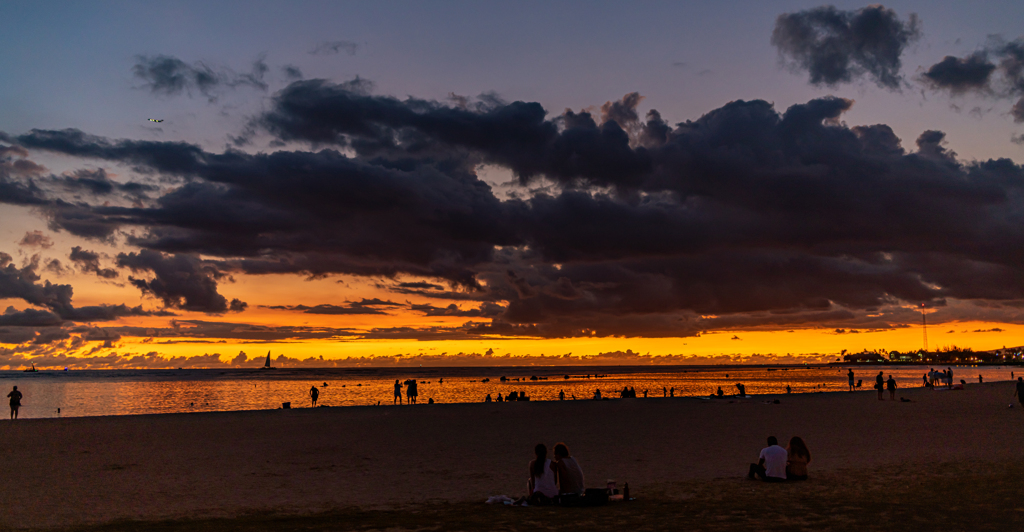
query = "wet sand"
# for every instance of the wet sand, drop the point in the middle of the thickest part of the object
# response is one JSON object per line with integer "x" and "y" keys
{"x": 62, "y": 472}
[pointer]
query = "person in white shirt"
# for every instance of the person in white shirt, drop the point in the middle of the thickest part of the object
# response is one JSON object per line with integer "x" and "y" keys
{"x": 543, "y": 485}
{"x": 771, "y": 463}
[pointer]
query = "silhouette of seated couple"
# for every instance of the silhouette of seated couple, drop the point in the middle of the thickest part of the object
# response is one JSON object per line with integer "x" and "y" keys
{"x": 551, "y": 480}
{"x": 776, "y": 464}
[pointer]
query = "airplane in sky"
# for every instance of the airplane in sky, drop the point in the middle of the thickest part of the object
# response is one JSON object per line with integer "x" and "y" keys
{"x": 154, "y": 120}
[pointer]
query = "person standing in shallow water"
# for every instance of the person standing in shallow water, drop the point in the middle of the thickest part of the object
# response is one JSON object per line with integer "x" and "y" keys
{"x": 398, "y": 392}
{"x": 15, "y": 396}
{"x": 314, "y": 394}
{"x": 850, "y": 378}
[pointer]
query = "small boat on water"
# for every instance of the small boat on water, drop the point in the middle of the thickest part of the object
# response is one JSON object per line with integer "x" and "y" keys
{"x": 266, "y": 365}
{"x": 32, "y": 370}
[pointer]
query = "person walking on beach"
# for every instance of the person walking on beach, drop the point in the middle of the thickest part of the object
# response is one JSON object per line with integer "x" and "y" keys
{"x": 880, "y": 385}
{"x": 1018, "y": 393}
{"x": 15, "y": 396}
{"x": 891, "y": 386}
{"x": 314, "y": 394}
{"x": 850, "y": 378}
{"x": 771, "y": 463}
{"x": 398, "y": 392}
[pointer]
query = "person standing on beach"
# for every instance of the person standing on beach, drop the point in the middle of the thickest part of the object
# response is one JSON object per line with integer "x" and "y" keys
{"x": 1018, "y": 393}
{"x": 891, "y": 386}
{"x": 314, "y": 394}
{"x": 664, "y": 391}
{"x": 949, "y": 377}
{"x": 561, "y": 395}
{"x": 850, "y": 377}
{"x": 672, "y": 392}
{"x": 398, "y": 393}
{"x": 15, "y": 396}
{"x": 880, "y": 385}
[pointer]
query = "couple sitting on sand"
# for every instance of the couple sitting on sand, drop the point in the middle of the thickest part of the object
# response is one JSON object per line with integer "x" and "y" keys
{"x": 551, "y": 478}
{"x": 776, "y": 464}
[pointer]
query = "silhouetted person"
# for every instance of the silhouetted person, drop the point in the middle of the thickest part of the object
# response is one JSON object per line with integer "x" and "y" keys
{"x": 849, "y": 376}
{"x": 672, "y": 391}
{"x": 597, "y": 395}
{"x": 891, "y": 386}
{"x": 664, "y": 391}
{"x": 790, "y": 390}
{"x": 561, "y": 395}
{"x": 500, "y": 399}
{"x": 569, "y": 473}
{"x": 398, "y": 392}
{"x": 15, "y": 396}
{"x": 879, "y": 385}
{"x": 981, "y": 380}
{"x": 720, "y": 393}
{"x": 645, "y": 394}
{"x": 488, "y": 398}
{"x": 741, "y": 389}
{"x": 797, "y": 459}
{"x": 771, "y": 463}
{"x": 949, "y": 375}
{"x": 1018, "y": 392}
{"x": 314, "y": 394}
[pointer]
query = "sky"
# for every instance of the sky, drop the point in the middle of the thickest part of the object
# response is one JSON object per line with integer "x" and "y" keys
{"x": 490, "y": 182}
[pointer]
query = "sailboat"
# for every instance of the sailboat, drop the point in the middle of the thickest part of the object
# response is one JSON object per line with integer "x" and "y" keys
{"x": 266, "y": 365}
{"x": 33, "y": 370}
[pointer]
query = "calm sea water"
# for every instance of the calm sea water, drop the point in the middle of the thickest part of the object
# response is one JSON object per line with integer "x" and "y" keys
{"x": 124, "y": 392}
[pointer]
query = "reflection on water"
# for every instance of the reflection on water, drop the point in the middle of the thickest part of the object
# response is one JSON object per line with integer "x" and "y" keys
{"x": 98, "y": 393}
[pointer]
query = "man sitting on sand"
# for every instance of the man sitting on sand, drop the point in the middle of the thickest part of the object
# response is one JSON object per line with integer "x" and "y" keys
{"x": 771, "y": 463}
{"x": 569, "y": 473}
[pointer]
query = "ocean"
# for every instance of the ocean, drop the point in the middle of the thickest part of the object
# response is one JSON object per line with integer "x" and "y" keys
{"x": 130, "y": 392}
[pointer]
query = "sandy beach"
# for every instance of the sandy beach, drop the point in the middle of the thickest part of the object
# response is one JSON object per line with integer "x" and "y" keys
{"x": 75, "y": 471}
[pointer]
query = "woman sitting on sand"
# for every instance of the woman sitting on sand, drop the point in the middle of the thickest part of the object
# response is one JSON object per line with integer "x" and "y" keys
{"x": 569, "y": 473}
{"x": 543, "y": 480}
{"x": 799, "y": 457}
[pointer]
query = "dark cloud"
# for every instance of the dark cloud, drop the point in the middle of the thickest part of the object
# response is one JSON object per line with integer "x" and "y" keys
{"x": 365, "y": 306}
{"x": 36, "y": 239}
{"x": 98, "y": 183}
{"x": 485, "y": 310}
{"x": 170, "y": 76}
{"x": 292, "y": 72}
{"x": 335, "y": 47}
{"x": 747, "y": 216}
{"x": 835, "y": 46}
{"x": 960, "y": 75}
{"x": 181, "y": 281}
{"x": 89, "y": 262}
{"x": 997, "y": 71}
{"x": 23, "y": 283}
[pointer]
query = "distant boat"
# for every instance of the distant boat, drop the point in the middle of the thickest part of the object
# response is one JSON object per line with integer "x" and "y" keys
{"x": 33, "y": 370}
{"x": 266, "y": 365}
